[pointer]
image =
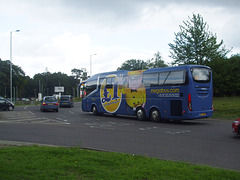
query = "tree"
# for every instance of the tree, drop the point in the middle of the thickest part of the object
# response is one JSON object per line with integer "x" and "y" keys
{"x": 226, "y": 79}
{"x": 194, "y": 44}
{"x": 45, "y": 83}
{"x": 18, "y": 79}
{"x": 4, "y": 78}
{"x": 156, "y": 61}
{"x": 80, "y": 73}
{"x": 133, "y": 65}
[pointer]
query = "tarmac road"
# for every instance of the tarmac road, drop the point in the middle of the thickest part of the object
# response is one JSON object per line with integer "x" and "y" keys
{"x": 204, "y": 141}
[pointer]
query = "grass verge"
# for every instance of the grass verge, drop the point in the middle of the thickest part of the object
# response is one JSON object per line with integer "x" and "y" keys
{"x": 226, "y": 108}
{"x": 75, "y": 163}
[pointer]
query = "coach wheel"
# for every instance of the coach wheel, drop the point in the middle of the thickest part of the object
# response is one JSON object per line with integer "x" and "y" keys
{"x": 94, "y": 110}
{"x": 155, "y": 115}
{"x": 140, "y": 114}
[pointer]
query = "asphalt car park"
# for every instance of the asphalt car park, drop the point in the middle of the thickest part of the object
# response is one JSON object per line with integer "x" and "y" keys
{"x": 204, "y": 141}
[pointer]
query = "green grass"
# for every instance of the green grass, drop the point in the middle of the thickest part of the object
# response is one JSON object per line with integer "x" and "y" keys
{"x": 25, "y": 103}
{"x": 78, "y": 99}
{"x": 74, "y": 163}
{"x": 226, "y": 108}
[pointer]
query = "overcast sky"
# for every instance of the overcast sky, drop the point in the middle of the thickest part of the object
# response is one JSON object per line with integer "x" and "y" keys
{"x": 59, "y": 35}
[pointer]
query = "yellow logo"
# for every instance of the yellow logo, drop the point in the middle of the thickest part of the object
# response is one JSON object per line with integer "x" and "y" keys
{"x": 110, "y": 94}
{"x": 135, "y": 92}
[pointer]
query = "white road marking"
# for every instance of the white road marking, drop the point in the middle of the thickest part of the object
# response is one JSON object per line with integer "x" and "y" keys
{"x": 30, "y": 117}
{"x": 165, "y": 130}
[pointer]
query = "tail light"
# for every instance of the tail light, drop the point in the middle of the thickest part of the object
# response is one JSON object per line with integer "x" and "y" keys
{"x": 189, "y": 102}
{"x": 44, "y": 104}
{"x": 56, "y": 104}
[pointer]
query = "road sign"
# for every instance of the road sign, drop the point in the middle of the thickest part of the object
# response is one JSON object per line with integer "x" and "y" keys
{"x": 59, "y": 89}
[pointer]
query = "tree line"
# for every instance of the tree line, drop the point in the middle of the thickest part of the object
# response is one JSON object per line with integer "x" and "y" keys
{"x": 26, "y": 87}
{"x": 193, "y": 44}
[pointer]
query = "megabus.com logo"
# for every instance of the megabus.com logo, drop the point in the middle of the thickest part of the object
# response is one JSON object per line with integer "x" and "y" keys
{"x": 163, "y": 91}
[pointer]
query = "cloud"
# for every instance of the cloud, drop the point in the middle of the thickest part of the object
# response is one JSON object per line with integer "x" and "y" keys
{"x": 60, "y": 53}
{"x": 61, "y": 34}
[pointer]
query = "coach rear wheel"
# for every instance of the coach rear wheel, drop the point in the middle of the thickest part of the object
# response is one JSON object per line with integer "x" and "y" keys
{"x": 94, "y": 110}
{"x": 140, "y": 114}
{"x": 155, "y": 115}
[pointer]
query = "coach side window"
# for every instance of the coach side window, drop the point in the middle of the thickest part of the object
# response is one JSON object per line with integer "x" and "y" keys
{"x": 175, "y": 77}
{"x": 110, "y": 82}
{"x": 150, "y": 79}
{"x": 163, "y": 77}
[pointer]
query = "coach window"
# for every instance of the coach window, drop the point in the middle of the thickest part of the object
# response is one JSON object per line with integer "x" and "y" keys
{"x": 110, "y": 81}
{"x": 201, "y": 74}
{"x": 163, "y": 77}
{"x": 100, "y": 82}
{"x": 91, "y": 86}
{"x": 150, "y": 79}
{"x": 175, "y": 77}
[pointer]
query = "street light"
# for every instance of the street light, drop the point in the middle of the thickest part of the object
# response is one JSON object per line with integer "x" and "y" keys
{"x": 91, "y": 64}
{"x": 11, "y": 62}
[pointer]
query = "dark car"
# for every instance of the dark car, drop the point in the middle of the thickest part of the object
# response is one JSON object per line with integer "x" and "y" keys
{"x": 66, "y": 101}
{"x": 6, "y": 104}
{"x": 50, "y": 103}
{"x": 236, "y": 126}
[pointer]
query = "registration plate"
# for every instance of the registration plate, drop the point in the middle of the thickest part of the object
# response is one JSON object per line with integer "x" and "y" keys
{"x": 50, "y": 103}
{"x": 203, "y": 114}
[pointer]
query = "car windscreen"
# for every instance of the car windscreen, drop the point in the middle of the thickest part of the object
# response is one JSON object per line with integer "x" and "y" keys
{"x": 201, "y": 74}
{"x": 50, "y": 99}
{"x": 64, "y": 98}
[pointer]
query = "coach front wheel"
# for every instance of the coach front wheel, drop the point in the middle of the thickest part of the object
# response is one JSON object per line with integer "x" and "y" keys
{"x": 94, "y": 110}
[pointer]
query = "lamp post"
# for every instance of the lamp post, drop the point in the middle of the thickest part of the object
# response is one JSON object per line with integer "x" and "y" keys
{"x": 91, "y": 63}
{"x": 11, "y": 62}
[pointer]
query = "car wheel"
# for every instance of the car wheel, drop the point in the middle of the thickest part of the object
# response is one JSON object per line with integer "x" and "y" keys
{"x": 10, "y": 108}
{"x": 56, "y": 110}
{"x": 140, "y": 114}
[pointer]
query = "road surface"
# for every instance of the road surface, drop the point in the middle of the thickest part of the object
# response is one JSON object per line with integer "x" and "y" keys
{"x": 204, "y": 141}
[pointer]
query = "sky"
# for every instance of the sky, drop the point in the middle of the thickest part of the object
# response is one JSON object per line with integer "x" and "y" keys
{"x": 60, "y": 35}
